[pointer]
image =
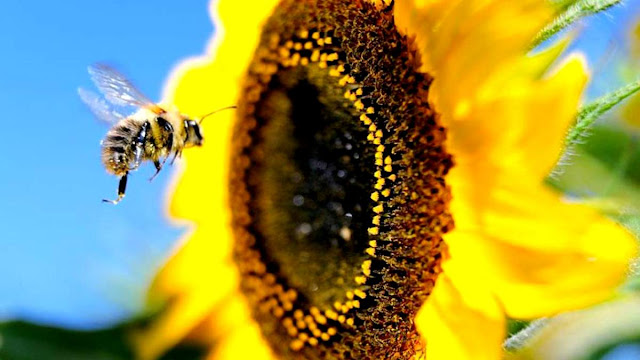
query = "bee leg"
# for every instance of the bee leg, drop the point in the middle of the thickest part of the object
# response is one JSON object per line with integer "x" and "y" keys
{"x": 158, "y": 166}
{"x": 139, "y": 145}
{"x": 122, "y": 186}
{"x": 175, "y": 155}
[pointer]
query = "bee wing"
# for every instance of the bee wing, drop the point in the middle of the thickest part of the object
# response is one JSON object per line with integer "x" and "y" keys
{"x": 118, "y": 90}
{"x": 99, "y": 106}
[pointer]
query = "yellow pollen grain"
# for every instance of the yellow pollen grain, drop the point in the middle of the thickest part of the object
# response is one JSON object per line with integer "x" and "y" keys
{"x": 359, "y": 92}
{"x": 342, "y": 319}
{"x": 332, "y": 57}
{"x": 315, "y": 55}
{"x": 387, "y": 160}
{"x": 332, "y": 331}
{"x": 385, "y": 193}
{"x": 330, "y": 314}
{"x": 388, "y": 168}
{"x": 308, "y": 45}
{"x": 301, "y": 324}
{"x": 377, "y": 141}
{"x": 376, "y": 219}
{"x": 288, "y": 44}
{"x": 313, "y": 341}
{"x": 373, "y": 243}
{"x": 323, "y": 57}
{"x": 303, "y": 337}
{"x": 378, "y": 209}
{"x": 379, "y": 133}
{"x": 297, "y": 46}
{"x": 377, "y": 174}
{"x": 360, "y": 280}
{"x": 334, "y": 72}
{"x": 298, "y": 314}
{"x": 322, "y": 65}
{"x": 292, "y": 331}
{"x": 373, "y": 230}
{"x": 287, "y": 305}
{"x": 379, "y": 156}
{"x": 278, "y": 312}
{"x": 315, "y": 35}
{"x": 350, "y": 321}
{"x": 370, "y": 110}
{"x": 295, "y": 58}
{"x": 303, "y": 34}
{"x": 320, "y": 42}
{"x": 375, "y": 196}
{"x": 320, "y": 319}
{"x": 372, "y": 127}
{"x": 296, "y": 345}
{"x": 371, "y": 251}
{"x": 309, "y": 319}
{"x": 353, "y": 97}
{"x": 380, "y": 148}
{"x": 365, "y": 119}
{"x": 304, "y": 61}
{"x": 325, "y": 337}
{"x": 378, "y": 162}
{"x": 328, "y": 40}
{"x": 287, "y": 322}
{"x": 347, "y": 94}
{"x": 392, "y": 177}
{"x": 337, "y": 305}
{"x": 314, "y": 311}
{"x": 359, "y": 293}
{"x": 284, "y": 52}
{"x": 359, "y": 105}
{"x": 356, "y": 304}
{"x": 341, "y": 68}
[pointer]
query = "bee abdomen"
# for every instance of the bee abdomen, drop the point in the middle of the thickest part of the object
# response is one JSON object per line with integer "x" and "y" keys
{"x": 117, "y": 148}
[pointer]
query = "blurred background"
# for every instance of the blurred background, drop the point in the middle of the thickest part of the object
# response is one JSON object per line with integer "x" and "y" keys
{"x": 69, "y": 260}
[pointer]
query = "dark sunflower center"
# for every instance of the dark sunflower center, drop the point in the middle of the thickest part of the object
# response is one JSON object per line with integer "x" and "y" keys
{"x": 313, "y": 183}
{"x": 337, "y": 183}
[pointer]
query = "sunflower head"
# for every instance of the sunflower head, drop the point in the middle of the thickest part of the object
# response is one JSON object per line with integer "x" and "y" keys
{"x": 337, "y": 183}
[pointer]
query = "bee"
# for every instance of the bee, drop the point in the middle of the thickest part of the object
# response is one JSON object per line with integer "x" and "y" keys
{"x": 151, "y": 133}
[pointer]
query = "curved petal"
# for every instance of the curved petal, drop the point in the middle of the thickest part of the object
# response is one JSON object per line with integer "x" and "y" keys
{"x": 461, "y": 320}
{"x": 194, "y": 281}
{"x": 234, "y": 333}
{"x": 200, "y": 275}
{"x": 541, "y": 255}
{"x": 464, "y": 43}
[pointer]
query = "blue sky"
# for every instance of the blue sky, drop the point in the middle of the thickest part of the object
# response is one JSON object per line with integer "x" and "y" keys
{"x": 66, "y": 258}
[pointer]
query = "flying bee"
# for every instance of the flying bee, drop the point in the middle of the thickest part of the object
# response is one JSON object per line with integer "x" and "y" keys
{"x": 151, "y": 133}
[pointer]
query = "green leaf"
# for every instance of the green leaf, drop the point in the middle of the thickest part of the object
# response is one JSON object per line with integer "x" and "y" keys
{"x": 591, "y": 112}
{"x": 587, "y": 116}
{"x": 587, "y": 334}
{"x": 26, "y": 341}
{"x": 577, "y": 9}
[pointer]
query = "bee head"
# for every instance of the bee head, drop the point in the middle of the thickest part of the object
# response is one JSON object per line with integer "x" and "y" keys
{"x": 194, "y": 134}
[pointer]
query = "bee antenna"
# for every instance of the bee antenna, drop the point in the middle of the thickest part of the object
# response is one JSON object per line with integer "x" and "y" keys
{"x": 215, "y": 111}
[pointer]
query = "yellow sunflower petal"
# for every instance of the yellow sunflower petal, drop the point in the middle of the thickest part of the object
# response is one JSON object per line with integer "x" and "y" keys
{"x": 540, "y": 255}
{"x": 461, "y": 320}
{"x": 199, "y": 275}
{"x": 464, "y": 43}
{"x": 194, "y": 281}
{"x": 233, "y": 332}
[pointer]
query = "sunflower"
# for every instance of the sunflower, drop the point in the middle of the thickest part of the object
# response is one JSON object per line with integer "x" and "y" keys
{"x": 379, "y": 192}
